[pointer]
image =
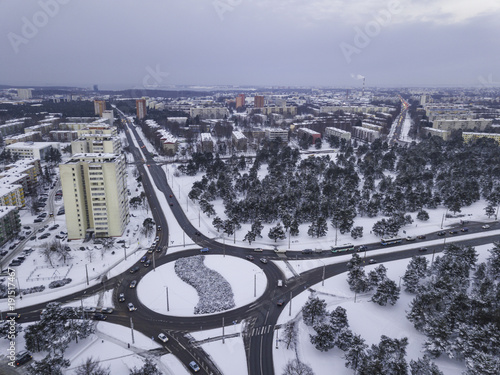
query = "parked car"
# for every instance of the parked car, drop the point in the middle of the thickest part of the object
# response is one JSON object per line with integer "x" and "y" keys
{"x": 163, "y": 337}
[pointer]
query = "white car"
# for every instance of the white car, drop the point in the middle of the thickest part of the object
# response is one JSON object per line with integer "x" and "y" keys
{"x": 486, "y": 226}
{"x": 131, "y": 307}
{"x": 163, "y": 337}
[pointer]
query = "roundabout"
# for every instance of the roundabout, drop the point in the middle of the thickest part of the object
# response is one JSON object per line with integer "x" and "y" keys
{"x": 164, "y": 292}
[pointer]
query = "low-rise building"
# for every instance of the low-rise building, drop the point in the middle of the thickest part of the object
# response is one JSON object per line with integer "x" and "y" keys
{"x": 32, "y": 150}
{"x": 310, "y": 134}
{"x": 207, "y": 142}
{"x": 209, "y": 112}
{"x": 272, "y": 134}
{"x": 239, "y": 140}
{"x": 342, "y": 134}
{"x": 26, "y": 137}
{"x": 10, "y": 223}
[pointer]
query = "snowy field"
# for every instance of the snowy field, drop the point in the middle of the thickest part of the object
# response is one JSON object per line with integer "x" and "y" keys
{"x": 365, "y": 318}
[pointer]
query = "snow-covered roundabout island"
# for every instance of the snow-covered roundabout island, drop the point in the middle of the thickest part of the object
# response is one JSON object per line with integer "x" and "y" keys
{"x": 248, "y": 282}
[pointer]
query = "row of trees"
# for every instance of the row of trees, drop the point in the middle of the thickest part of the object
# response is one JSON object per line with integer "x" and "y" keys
{"x": 370, "y": 180}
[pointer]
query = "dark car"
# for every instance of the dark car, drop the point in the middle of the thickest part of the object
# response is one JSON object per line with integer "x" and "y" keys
{"x": 421, "y": 237}
{"x": 38, "y": 220}
{"x": 22, "y": 357}
{"x": 280, "y": 302}
{"x": 133, "y": 284}
{"x": 205, "y": 250}
{"x": 464, "y": 229}
{"x": 422, "y": 249}
{"x": 442, "y": 233}
{"x": 147, "y": 263}
{"x": 307, "y": 251}
{"x": 144, "y": 258}
{"x": 100, "y": 317}
{"x": 453, "y": 231}
{"x": 249, "y": 257}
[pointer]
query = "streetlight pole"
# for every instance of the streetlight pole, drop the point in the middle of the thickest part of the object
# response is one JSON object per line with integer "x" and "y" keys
{"x": 168, "y": 306}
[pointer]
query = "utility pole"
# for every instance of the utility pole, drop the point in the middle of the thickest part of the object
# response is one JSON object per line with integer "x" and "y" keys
{"x": 87, "y": 273}
{"x": 132, "y": 329}
{"x": 290, "y": 311}
{"x": 168, "y": 307}
{"x": 223, "y": 330}
{"x": 254, "y": 285}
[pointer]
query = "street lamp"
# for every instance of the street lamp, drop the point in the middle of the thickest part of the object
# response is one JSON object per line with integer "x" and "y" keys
{"x": 323, "y": 278}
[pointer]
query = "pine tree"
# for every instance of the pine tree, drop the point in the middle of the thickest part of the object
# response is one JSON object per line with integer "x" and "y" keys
{"x": 50, "y": 365}
{"x": 324, "y": 339}
{"x": 277, "y": 233}
{"x": 356, "y": 354}
{"x": 387, "y": 292}
{"x": 290, "y": 334}
{"x": 424, "y": 366}
{"x": 149, "y": 368}
{"x": 313, "y": 311}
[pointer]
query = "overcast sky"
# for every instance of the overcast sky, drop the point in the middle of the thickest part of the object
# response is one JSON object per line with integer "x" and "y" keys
{"x": 131, "y": 43}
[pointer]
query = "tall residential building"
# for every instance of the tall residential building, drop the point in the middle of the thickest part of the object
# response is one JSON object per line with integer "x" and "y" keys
{"x": 99, "y": 107}
{"x": 258, "y": 101}
{"x": 24, "y": 93}
{"x": 240, "y": 100}
{"x": 95, "y": 195}
{"x": 141, "y": 108}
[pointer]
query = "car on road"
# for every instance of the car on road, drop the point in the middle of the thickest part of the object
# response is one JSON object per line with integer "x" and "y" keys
{"x": 163, "y": 337}
{"x": 100, "y": 317}
{"x": 22, "y": 357}
{"x": 134, "y": 269}
{"x": 486, "y": 226}
{"x": 411, "y": 238}
{"x": 194, "y": 366}
{"x": 131, "y": 307}
{"x": 144, "y": 258}
{"x": 89, "y": 309}
{"x": 107, "y": 310}
{"x": 464, "y": 229}
{"x": 133, "y": 284}
{"x": 249, "y": 257}
{"x": 197, "y": 233}
{"x": 171, "y": 204}
{"x": 121, "y": 297}
{"x": 263, "y": 260}
{"x": 204, "y": 250}
{"x": 158, "y": 227}
{"x": 422, "y": 249}
{"x": 280, "y": 302}
{"x": 421, "y": 237}
{"x": 259, "y": 249}
{"x": 441, "y": 233}
{"x": 372, "y": 261}
{"x": 147, "y": 263}
{"x": 453, "y": 231}
{"x": 307, "y": 251}
{"x": 362, "y": 248}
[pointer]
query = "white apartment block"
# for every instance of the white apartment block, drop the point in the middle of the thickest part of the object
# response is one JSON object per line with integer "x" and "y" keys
{"x": 95, "y": 195}
{"x": 96, "y": 143}
{"x": 32, "y": 150}
{"x": 464, "y": 124}
{"x": 209, "y": 112}
{"x": 365, "y": 134}
{"x": 273, "y": 134}
{"x": 342, "y": 134}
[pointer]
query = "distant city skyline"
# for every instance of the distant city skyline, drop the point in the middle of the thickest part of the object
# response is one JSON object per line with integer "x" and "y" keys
{"x": 323, "y": 43}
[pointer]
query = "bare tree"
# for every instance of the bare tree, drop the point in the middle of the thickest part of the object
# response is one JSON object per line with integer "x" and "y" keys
{"x": 92, "y": 367}
{"x": 295, "y": 367}
{"x": 290, "y": 334}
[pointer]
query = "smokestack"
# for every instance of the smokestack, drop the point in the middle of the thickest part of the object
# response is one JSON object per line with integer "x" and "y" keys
{"x": 363, "y": 92}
